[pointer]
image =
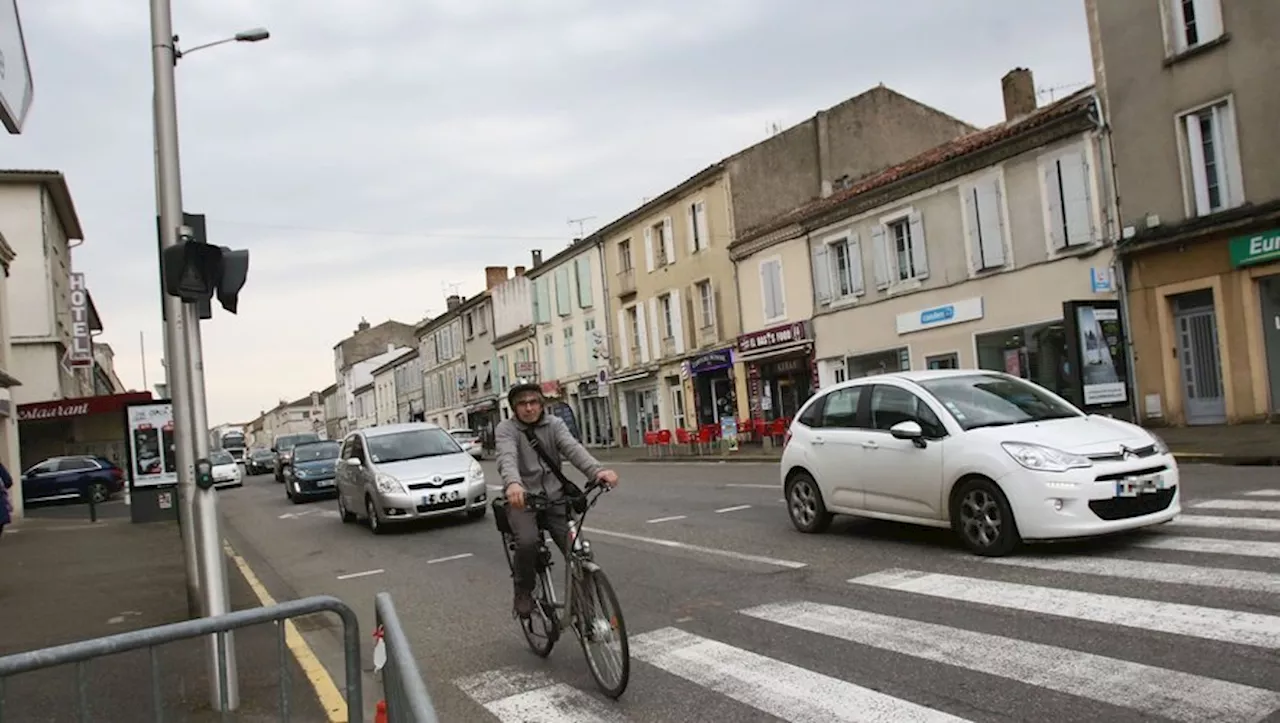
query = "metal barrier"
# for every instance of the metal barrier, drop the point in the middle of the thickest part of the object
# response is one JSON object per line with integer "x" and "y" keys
{"x": 80, "y": 653}
{"x": 404, "y": 691}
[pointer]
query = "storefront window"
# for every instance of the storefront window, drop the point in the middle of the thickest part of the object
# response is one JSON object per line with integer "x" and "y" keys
{"x": 1036, "y": 353}
{"x": 881, "y": 362}
{"x": 786, "y": 385}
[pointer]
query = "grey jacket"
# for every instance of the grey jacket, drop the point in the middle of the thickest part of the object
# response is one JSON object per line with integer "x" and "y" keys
{"x": 518, "y": 462}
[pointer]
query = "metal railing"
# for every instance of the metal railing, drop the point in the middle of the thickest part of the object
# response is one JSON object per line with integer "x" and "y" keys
{"x": 81, "y": 652}
{"x": 403, "y": 688}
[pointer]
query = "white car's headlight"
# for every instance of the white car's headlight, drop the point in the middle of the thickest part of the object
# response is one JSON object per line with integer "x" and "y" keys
{"x": 1044, "y": 459}
{"x": 476, "y": 474}
{"x": 1161, "y": 447}
{"x": 388, "y": 484}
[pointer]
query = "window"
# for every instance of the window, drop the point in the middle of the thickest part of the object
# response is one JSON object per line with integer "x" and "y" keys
{"x": 1193, "y": 23}
{"x": 503, "y": 374}
{"x": 548, "y": 356}
{"x": 582, "y": 275}
{"x": 564, "y": 292}
{"x": 942, "y": 361}
{"x": 1037, "y": 353}
{"x": 697, "y": 227}
{"x": 633, "y": 329}
{"x": 468, "y": 326}
{"x": 542, "y": 300}
{"x": 900, "y": 250}
{"x": 415, "y": 444}
{"x": 1213, "y": 158}
{"x": 624, "y": 255}
{"x": 659, "y": 245}
{"x": 568, "y": 351}
{"x": 984, "y": 400}
{"x": 841, "y": 409}
{"x": 706, "y": 304}
{"x": 879, "y": 362}
{"x": 482, "y": 321}
{"x": 837, "y": 268}
{"x": 677, "y": 402}
{"x": 893, "y": 405}
{"x": 668, "y": 326}
{"x": 771, "y": 292}
{"x": 984, "y": 223}
{"x": 1068, "y": 195}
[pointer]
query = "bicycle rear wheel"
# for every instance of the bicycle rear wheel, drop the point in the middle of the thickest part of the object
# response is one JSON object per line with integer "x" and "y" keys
{"x": 603, "y": 633}
{"x": 541, "y": 629}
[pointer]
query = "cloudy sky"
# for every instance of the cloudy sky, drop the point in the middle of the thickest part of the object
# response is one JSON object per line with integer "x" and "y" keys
{"x": 372, "y": 155}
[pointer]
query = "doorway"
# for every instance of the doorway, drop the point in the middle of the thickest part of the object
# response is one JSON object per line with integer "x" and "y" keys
{"x": 1196, "y": 326}
{"x": 1269, "y": 292}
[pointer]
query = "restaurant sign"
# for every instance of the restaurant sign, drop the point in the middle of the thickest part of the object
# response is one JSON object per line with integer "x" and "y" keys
{"x": 773, "y": 337}
{"x": 78, "y": 407}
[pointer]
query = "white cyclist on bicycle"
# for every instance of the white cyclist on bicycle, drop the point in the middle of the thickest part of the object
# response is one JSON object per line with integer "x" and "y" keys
{"x": 523, "y": 470}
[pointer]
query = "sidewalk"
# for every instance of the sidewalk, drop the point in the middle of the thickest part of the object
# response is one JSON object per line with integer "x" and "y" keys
{"x": 1245, "y": 444}
{"x": 64, "y": 579}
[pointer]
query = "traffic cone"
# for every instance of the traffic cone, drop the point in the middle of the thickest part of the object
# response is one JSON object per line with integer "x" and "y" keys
{"x": 380, "y": 716}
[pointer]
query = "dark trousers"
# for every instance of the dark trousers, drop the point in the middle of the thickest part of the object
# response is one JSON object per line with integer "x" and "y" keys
{"x": 524, "y": 527}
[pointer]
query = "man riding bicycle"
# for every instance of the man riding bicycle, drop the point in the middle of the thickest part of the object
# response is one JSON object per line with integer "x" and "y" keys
{"x": 522, "y": 470}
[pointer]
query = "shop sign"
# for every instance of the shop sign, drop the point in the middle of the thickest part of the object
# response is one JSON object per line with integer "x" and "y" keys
{"x": 81, "y": 352}
{"x": 772, "y": 337}
{"x": 589, "y": 388}
{"x": 953, "y": 313}
{"x": 78, "y": 407}
{"x": 1257, "y": 248}
{"x": 526, "y": 369}
{"x": 711, "y": 361}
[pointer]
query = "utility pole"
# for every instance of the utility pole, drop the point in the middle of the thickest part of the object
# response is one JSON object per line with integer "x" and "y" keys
{"x": 185, "y": 375}
{"x": 580, "y": 222}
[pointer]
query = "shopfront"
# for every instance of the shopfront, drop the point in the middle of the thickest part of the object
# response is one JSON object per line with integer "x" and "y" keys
{"x": 778, "y": 369}
{"x": 639, "y": 405}
{"x": 714, "y": 397}
{"x": 591, "y": 400}
{"x": 84, "y": 425}
{"x": 482, "y": 418}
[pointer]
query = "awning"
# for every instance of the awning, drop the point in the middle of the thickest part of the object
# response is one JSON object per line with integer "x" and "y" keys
{"x": 79, "y": 406}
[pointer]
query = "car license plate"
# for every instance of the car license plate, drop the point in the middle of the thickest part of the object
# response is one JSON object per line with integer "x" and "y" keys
{"x": 439, "y": 498}
{"x": 1144, "y": 485}
{"x": 324, "y": 483}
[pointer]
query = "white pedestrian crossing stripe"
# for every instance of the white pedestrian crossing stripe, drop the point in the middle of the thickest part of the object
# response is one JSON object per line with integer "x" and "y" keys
{"x": 1166, "y": 572}
{"x": 1228, "y": 626}
{"x": 1245, "y": 505}
{"x": 1263, "y": 493}
{"x": 1249, "y": 524}
{"x": 518, "y": 696}
{"x": 787, "y": 691}
{"x": 1211, "y": 545}
{"x": 1154, "y": 691}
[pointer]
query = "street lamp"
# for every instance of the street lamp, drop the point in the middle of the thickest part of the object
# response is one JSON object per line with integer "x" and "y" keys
{"x": 202, "y": 540}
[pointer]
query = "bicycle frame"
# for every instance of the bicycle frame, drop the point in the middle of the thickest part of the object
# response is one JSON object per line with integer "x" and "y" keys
{"x": 578, "y": 559}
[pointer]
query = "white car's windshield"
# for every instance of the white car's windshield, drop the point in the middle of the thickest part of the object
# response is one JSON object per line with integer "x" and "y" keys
{"x": 399, "y": 446}
{"x": 314, "y": 451}
{"x": 220, "y": 457}
{"x": 985, "y": 400}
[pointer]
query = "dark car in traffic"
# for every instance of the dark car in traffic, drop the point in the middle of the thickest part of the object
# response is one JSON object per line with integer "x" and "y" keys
{"x": 84, "y": 476}
{"x": 310, "y": 474}
{"x": 259, "y": 460}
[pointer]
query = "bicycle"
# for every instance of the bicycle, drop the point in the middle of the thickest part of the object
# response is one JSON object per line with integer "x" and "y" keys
{"x": 585, "y": 583}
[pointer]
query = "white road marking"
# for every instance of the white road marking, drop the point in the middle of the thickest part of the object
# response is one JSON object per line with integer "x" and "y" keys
{"x": 291, "y": 515}
{"x": 735, "y": 508}
{"x": 493, "y": 488}
{"x": 1161, "y": 693}
{"x": 1263, "y": 493}
{"x": 698, "y": 548}
{"x": 1249, "y": 505}
{"x": 1228, "y": 626}
{"x": 666, "y": 519}
{"x": 756, "y": 487}
{"x": 1166, "y": 572}
{"x": 451, "y": 557}
{"x": 366, "y": 573}
{"x": 1250, "y": 524}
{"x": 1211, "y": 545}
{"x": 772, "y": 686}
{"x": 516, "y": 695}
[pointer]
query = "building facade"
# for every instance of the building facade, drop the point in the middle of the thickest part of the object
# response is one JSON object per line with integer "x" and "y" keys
{"x": 9, "y": 450}
{"x": 481, "y": 394}
{"x": 364, "y": 413}
{"x": 366, "y": 342}
{"x": 407, "y": 379}
{"x": 105, "y": 379}
{"x": 331, "y": 400}
{"x": 385, "y": 401}
{"x": 989, "y": 251}
{"x": 443, "y": 367}
{"x": 514, "y": 346}
{"x": 1188, "y": 91}
{"x": 570, "y": 314}
{"x": 301, "y": 415}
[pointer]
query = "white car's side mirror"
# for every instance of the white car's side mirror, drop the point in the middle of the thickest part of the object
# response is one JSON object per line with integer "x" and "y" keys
{"x": 909, "y": 430}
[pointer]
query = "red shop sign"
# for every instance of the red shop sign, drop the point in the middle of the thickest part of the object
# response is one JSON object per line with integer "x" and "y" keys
{"x": 79, "y": 406}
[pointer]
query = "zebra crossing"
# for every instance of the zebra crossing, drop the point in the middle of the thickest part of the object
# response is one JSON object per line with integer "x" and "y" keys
{"x": 732, "y": 670}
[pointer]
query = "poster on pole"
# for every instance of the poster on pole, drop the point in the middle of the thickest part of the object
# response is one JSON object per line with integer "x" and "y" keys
{"x": 152, "y": 461}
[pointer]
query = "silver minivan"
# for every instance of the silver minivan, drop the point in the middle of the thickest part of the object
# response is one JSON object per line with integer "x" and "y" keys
{"x": 403, "y": 472}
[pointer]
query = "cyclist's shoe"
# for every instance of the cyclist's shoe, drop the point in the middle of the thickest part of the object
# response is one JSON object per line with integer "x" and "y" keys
{"x": 524, "y": 603}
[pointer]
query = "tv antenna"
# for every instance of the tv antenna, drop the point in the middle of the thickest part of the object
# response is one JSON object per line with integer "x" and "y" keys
{"x": 450, "y": 289}
{"x": 581, "y": 222}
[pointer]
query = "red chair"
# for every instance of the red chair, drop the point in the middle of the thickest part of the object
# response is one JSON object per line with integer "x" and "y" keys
{"x": 650, "y": 439}
{"x": 664, "y": 442}
{"x": 685, "y": 440}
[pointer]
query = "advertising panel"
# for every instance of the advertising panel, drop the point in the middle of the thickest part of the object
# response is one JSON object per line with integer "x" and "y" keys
{"x": 1096, "y": 344}
{"x": 152, "y": 459}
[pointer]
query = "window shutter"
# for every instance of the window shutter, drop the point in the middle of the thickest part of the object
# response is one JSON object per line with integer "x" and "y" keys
{"x": 677, "y": 320}
{"x": 991, "y": 222}
{"x": 880, "y": 249}
{"x": 779, "y": 295}
{"x": 648, "y": 248}
{"x": 919, "y": 250}
{"x": 855, "y": 264}
{"x": 668, "y": 233}
{"x": 1076, "y": 199}
{"x": 766, "y": 291}
{"x": 1053, "y": 198}
{"x": 1208, "y": 19}
{"x": 692, "y": 217}
{"x": 973, "y": 233}
{"x": 823, "y": 271}
{"x": 704, "y": 230}
{"x": 655, "y": 331}
{"x": 624, "y": 339}
{"x": 1195, "y": 147}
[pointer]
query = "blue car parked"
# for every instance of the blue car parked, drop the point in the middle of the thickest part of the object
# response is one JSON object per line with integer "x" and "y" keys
{"x": 311, "y": 472}
{"x": 83, "y": 476}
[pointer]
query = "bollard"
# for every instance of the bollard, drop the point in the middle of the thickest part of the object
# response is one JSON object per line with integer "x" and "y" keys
{"x": 93, "y": 508}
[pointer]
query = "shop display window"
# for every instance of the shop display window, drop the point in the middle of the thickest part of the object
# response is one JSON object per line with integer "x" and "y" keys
{"x": 1036, "y": 353}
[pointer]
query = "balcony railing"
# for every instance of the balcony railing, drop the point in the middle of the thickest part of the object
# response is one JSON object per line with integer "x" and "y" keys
{"x": 626, "y": 282}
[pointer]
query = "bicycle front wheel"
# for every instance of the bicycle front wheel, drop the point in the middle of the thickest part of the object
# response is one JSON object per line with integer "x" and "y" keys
{"x": 603, "y": 633}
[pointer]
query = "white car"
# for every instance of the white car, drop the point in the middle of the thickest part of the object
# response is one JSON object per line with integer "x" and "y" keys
{"x": 226, "y": 470}
{"x": 468, "y": 440}
{"x": 998, "y": 459}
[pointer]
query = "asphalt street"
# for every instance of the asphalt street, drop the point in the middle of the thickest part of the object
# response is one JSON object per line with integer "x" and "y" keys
{"x": 735, "y": 616}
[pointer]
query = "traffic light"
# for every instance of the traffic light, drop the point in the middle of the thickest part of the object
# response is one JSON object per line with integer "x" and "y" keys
{"x": 195, "y": 271}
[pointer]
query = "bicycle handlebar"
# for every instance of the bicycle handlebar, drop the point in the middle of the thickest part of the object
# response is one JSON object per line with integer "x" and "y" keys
{"x": 539, "y": 501}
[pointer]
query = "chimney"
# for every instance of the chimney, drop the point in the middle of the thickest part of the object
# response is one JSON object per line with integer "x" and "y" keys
{"x": 1019, "y": 93}
{"x": 537, "y": 258}
{"x": 494, "y": 275}
{"x": 520, "y": 271}
{"x": 362, "y": 326}
{"x": 452, "y": 302}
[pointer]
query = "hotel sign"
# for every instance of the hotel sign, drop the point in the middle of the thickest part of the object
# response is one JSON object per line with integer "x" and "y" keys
{"x": 81, "y": 353}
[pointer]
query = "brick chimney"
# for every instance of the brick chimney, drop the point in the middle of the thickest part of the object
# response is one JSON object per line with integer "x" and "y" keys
{"x": 537, "y": 258}
{"x": 452, "y": 302}
{"x": 1019, "y": 93}
{"x": 494, "y": 275}
{"x": 362, "y": 326}
{"x": 519, "y": 271}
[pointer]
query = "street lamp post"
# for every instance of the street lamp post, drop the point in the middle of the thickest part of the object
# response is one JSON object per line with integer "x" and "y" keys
{"x": 202, "y": 542}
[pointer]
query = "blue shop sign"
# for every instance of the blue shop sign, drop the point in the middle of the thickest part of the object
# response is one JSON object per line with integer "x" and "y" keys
{"x": 956, "y": 312}
{"x": 937, "y": 315}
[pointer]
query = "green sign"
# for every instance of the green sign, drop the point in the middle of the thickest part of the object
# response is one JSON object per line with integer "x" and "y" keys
{"x": 1257, "y": 248}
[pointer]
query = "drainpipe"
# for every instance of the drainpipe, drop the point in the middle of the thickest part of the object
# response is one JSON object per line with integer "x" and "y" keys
{"x": 1120, "y": 271}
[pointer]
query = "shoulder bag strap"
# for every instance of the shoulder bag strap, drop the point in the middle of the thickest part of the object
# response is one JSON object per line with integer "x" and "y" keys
{"x": 571, "y": 489}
